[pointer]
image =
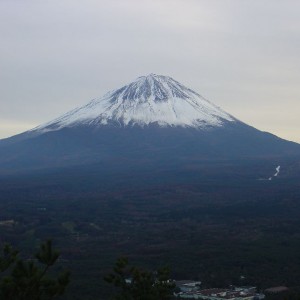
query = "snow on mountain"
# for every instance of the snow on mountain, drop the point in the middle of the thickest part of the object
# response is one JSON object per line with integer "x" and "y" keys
{"x": 153, "y": 122}
{"x": 151, "y": 99}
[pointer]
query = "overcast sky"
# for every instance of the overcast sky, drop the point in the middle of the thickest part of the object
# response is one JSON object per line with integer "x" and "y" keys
{"x": 243, "y": 55}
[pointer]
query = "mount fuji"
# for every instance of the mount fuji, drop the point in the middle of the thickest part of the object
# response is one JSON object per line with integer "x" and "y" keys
{"x": 154, "y": 120}
{"x": 149, "y": 100}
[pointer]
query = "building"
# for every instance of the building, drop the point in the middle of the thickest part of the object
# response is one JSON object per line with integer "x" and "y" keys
{"x": 276, "y": 290}
{"x": 236, "y": 293}
{"x": 188, "y": 285}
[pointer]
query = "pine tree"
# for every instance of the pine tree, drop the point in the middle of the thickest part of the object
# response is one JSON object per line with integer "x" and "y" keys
{"x": 29, "y": 279}
{"x": 132, "y": 283}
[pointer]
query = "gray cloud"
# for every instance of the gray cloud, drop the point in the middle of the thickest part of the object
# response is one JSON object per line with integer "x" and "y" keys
{"x": 242, "y": 55}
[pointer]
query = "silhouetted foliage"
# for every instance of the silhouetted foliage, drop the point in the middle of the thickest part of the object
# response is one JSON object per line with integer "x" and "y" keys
{"x": 28, "y": 279}
{"x": 133, "y": 283}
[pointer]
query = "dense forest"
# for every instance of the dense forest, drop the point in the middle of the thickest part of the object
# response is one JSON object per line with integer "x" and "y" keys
{"x": 219, "y": 223}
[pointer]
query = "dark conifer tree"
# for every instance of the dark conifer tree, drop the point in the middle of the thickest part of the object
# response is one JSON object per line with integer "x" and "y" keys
{"x": 29, "y": 279}
{"x": 132, "y": 283}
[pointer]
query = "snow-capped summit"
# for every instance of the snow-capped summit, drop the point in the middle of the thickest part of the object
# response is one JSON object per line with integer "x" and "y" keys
{"x": 152, "y": 99}
{"x": 153, "y": 122}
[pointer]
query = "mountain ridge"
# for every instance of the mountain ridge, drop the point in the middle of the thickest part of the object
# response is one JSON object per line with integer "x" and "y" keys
{"x": 96, "y": 133}
{"x": 147, "y": 100}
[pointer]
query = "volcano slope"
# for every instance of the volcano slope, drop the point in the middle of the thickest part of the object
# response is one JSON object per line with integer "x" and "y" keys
{"x": 154, "y": 120}
{"x": 155, "y": 172}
